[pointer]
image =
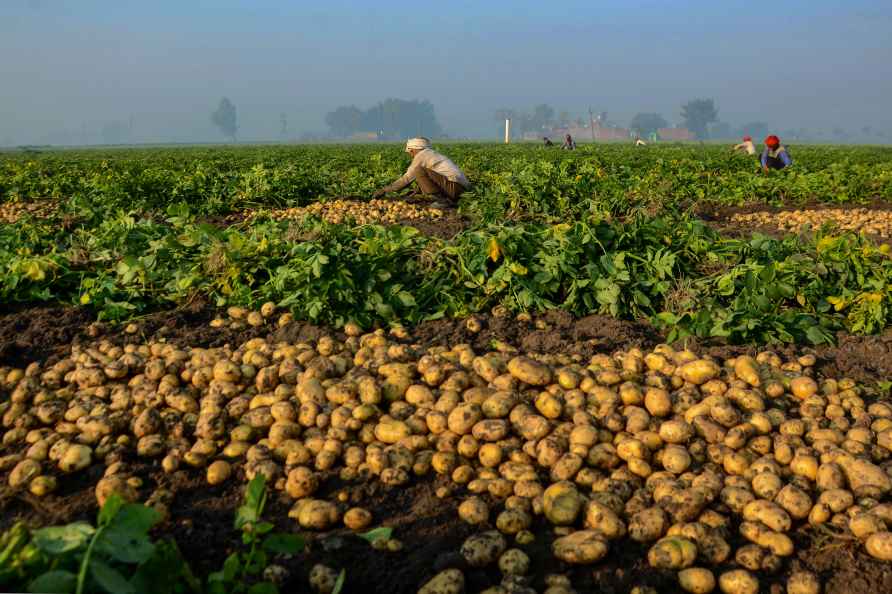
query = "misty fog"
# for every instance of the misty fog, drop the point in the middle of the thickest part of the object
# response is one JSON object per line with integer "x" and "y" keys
{"x": 90, "y": 71}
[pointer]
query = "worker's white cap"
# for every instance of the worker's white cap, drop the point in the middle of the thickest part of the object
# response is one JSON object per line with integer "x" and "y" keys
{"x": 419, "y": 143}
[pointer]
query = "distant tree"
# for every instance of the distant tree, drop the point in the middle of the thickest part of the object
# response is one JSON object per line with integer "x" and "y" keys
{"x": 758, "y": 130}
{"x": 344, "y": 121}
{"x": 647, "y": 123}
{"x": 397, "y": 119}
{"x": 698, "y": 114}
{"x": 225, "y": 118}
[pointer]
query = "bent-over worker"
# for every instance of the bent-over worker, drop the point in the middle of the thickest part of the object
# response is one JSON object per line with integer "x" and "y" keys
{"x": 746, "y": 146}
{"x": 569, "y": 143}
{"x": 775, "y": 155}
{"x": 436, "y": 175}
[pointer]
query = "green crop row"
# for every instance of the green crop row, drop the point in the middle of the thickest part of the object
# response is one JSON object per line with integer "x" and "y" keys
{"x": 672, "y": 270}
{"x": 517, "y": 181}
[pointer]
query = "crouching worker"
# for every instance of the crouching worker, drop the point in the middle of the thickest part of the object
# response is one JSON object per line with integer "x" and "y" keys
{"x": 436, "y": 175}
{"x": 775, "y": 156}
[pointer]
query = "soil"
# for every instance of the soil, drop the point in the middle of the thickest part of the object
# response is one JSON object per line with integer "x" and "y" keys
{"x": 201, "y": 515}
{"x": 719, "y": 217}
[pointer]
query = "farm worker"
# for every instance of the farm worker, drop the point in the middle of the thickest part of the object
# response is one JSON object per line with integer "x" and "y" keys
{"x": 435, "y": 174}
{"x": 639, "y": 142}
{"x": 568, "y": 145}
{"x": 547, "y": 141}
{"x": 746, "y": 146}
{"x": 774, "y": 156}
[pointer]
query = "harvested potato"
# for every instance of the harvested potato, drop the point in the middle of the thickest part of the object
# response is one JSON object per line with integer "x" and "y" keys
{"x": 514, "y": 562}
{"x": 474, "y": 511}
{"x": 803, "y": 582}
{"x": 672, "y": 553}
{"x": 323, "y": 578}
{"x": 449, "y": 581}
{"x": 738, "y": 581}
{"x": 561, "y": 503}
{"x": 697, "y": 580}
{"x": 218, "y": 472}
{"x": 483, "y": 549}
{"x": 879, "y": 545}
{"x": 357, "y": 518}
{"x": 582, "y": 547}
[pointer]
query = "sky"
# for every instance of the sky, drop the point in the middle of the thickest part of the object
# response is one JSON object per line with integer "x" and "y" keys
{"x": 70, "y": 68}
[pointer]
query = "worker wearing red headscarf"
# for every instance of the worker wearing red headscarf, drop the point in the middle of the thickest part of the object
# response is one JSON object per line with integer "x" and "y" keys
{"x": 746, "y": 146}
{"x": 775, "y": 155}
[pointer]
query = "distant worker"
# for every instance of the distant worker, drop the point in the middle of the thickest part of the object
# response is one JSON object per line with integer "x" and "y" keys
{"x": 568, "y": 145}
{"x": 639, "y": 142}
{"x": 774, "y": 156}
{"x": 547, "y": 141}
{"x": 746, "y": 146}
{"x": 436, "y": 175}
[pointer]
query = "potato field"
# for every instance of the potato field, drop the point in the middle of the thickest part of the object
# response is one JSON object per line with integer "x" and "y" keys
{"x": 614, "y": 369}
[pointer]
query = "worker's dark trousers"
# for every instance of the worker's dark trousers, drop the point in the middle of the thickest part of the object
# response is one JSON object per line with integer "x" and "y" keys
{"x": 432, "y": 183}
{"x": 774, "y": 163}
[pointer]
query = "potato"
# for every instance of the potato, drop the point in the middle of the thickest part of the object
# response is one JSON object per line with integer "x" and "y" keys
{"x": 837, "y": 500}
{"x": 314, "y": 514}
{"x": 738, "y": 581}
{"x": 514, "y": 562}
{"x": 803, "y": 387}
{"x": 581, "y": 547}
{"x": 512, "y": 521}
{"x": 322, "y": 578}
{"x": 648, "y": 525}
{"x": 449, "y": 581}
{"x": 676, "y": 431}
{"x": 778, "y": 543}
{"x": 218, "y": 472}
{"x": 672, "y": 553}
{"x": 561, "y": 503}
{"x": 795, "y": 501}
{"x": 474, "y": 511}
{"x": 746, "y": 368}
{"x": 768, "y": 513}
{"x": 357, "y": 518}
{"x": 529, "y": 371}
{"x": 879, "y": 545}
{"x": 750, "y": 556}
{"x": 42, "y": 485}
{"x": 697, "y": 580}
{"x": 76, "y": 457}
{"x": 483, "y": 549}
{"x": 676, "y": 459}
{"x": 803, "y": 582}
{"x": 603, "y": 520}
{"x": 865, "y": 478}
{"x": 863, "y": 525}
{"x": 699, "y": 371}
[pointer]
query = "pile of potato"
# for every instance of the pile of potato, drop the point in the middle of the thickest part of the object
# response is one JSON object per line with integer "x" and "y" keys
{"x": 239, "y": 318}
{"x": 362, "y": 213}
{"x": 711, "y": 464}
{"x": 872, "y": 222}
{"x": 11, "y": 212}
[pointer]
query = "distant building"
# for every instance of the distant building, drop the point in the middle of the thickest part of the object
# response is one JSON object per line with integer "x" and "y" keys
{"x": 582, "y": 133}
{"x": 675, "y": 134}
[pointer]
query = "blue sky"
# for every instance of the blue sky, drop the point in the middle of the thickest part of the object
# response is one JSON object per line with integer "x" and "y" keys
{"x": 81, "y": 64}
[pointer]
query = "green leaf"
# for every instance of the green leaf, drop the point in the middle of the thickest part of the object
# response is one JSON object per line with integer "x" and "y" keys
{"x": 382, "y": 533}
{"x": 255, "y": 498}
{"x": 54, "y": 582}
{"x": 263, "y": 588}
{"x": 57, "y": 540}
{"x": 109, "y": 578}
{"x": 162, "y": 572}
{"x": 284, "y": 544}
{"x": 339, "y": 583}
{"x": 126, "y": 537}
{"x": 110, "y": 509}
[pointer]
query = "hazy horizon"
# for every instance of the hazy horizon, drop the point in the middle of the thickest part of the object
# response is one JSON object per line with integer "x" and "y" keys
{"x": 74, "y": 68}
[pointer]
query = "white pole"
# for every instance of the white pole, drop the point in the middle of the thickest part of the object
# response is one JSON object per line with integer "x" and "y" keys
{"x": 507, "y": 131}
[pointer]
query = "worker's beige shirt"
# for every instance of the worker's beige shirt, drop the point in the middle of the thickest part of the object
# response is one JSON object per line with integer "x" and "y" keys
{"x": 748, "y": 147}
{"x": 434, "y": 161}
